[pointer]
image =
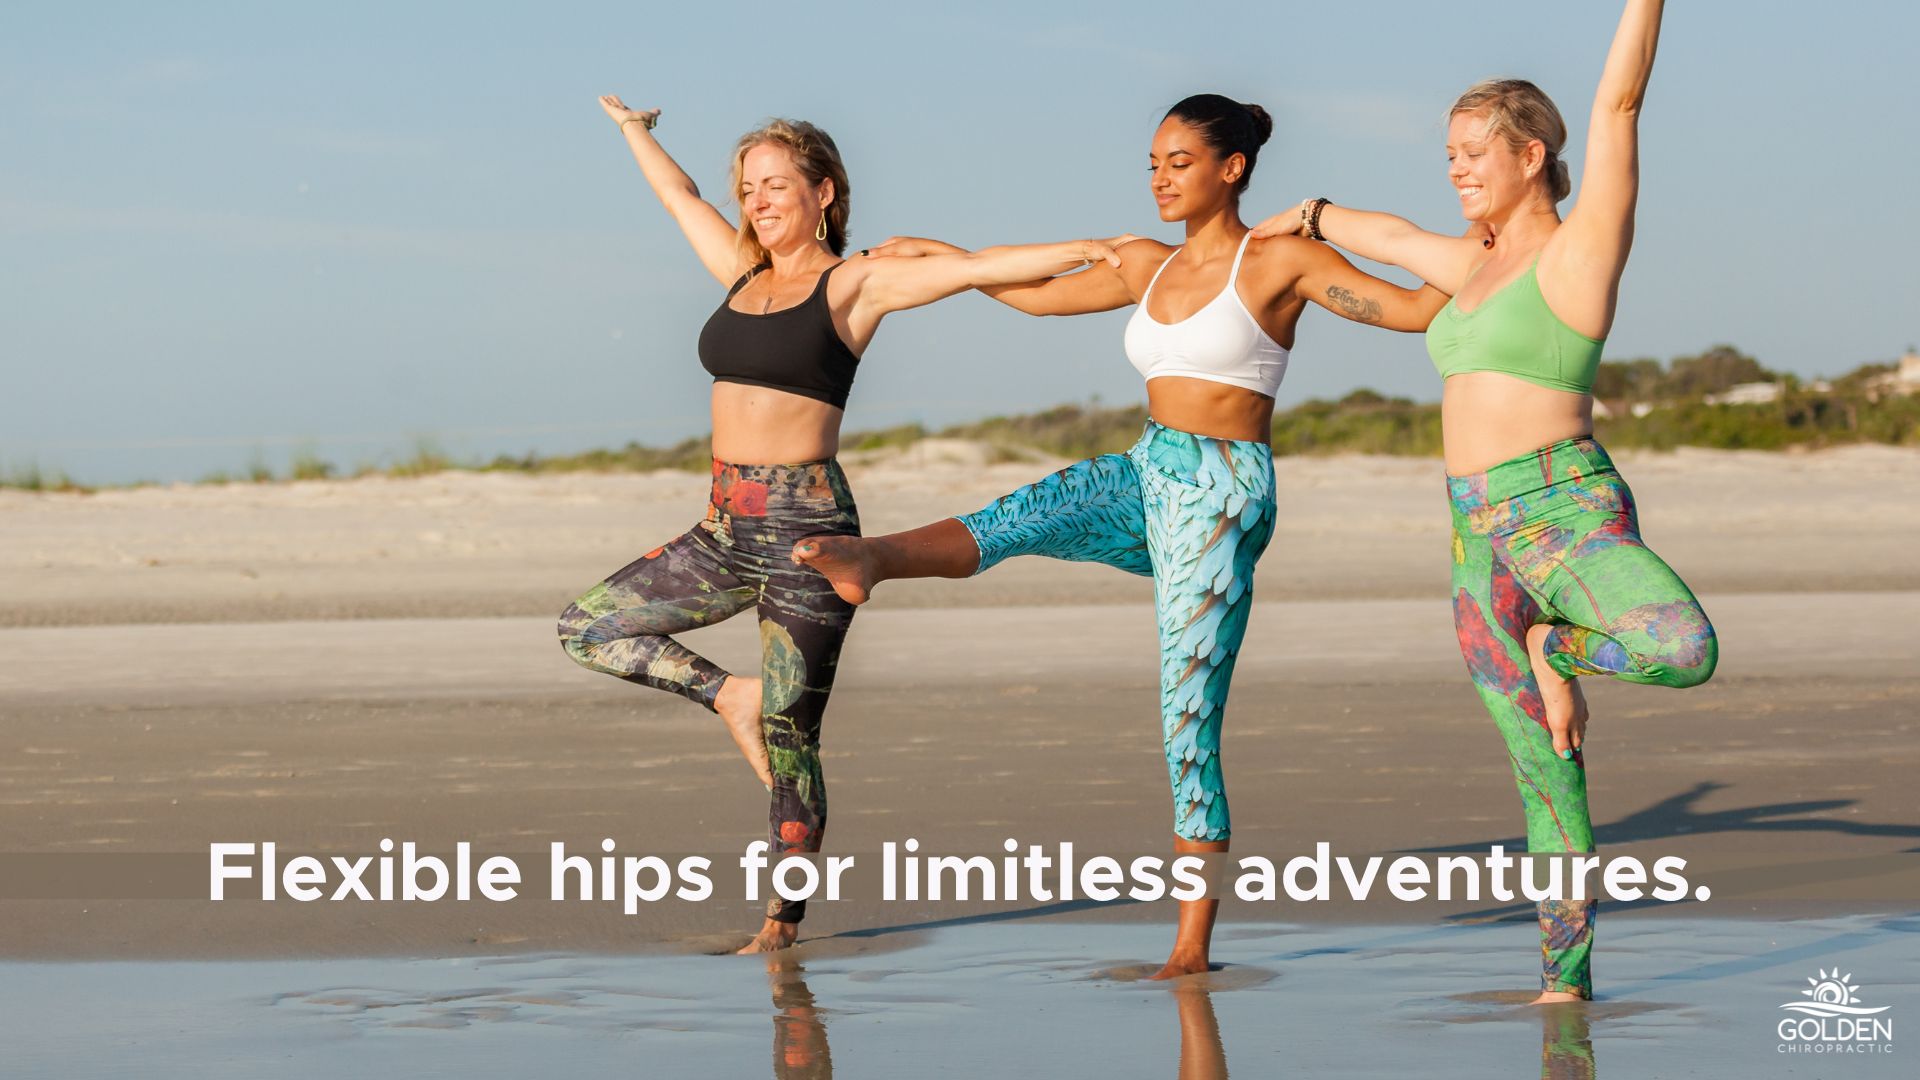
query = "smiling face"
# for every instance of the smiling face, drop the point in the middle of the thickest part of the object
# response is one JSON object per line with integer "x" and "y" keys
{"x": 1493, "y": 178}
{"x": 1189, "y": 180}
{"x": 776, "y": 199}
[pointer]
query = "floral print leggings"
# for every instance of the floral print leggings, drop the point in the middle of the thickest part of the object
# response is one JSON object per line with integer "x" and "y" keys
{"x": 736, "y": 559}
{"x": 1551, "y": 537}
{"x": 1194, "y": 513}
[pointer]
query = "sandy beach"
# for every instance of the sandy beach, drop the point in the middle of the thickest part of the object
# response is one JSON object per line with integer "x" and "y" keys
{"x": 457, "y": 545}
{"x": 328, "y": 664}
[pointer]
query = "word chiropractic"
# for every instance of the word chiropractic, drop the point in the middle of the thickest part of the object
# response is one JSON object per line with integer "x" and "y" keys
{"x": 905, "y": 875}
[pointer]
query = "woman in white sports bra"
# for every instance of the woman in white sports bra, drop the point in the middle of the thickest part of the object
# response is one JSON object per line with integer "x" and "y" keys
{"x": 1191, "y": 504}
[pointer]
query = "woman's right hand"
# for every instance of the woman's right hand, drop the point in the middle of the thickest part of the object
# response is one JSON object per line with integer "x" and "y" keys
{"x": 617, "y": 110}
{"x": 1106, "y": 250}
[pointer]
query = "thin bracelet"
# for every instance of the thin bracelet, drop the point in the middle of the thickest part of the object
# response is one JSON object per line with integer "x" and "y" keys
{"x": 644, "y": 121}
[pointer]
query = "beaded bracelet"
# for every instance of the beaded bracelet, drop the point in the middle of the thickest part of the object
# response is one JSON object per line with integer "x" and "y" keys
{"x": 1313, "y": 218}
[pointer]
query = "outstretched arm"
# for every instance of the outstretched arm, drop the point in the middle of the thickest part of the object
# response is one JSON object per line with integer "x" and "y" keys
{"x": 712, "y": 236}
{"x": 1340, "y": 287}
{"x": 1097, "y": 288}
{"x": 1598, "y": 231}
{"x": 1446, "y": 261}
{"x": 898, "y": 284}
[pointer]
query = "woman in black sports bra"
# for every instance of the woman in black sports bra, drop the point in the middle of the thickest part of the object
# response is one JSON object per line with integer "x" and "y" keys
{"x": 782, "y": 348}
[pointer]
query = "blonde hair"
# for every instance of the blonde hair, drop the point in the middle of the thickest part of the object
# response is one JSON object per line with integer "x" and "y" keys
{"x": 1521, "y": 112}
{"x": 817, "y": 159}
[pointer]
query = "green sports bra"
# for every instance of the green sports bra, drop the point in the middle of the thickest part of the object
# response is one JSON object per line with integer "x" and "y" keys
{"x": 1515, "y": 333}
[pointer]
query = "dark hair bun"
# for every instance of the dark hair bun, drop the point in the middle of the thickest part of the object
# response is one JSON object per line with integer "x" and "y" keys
{"x": 1262, "y": 123}
{"x": 1229, "y": 127}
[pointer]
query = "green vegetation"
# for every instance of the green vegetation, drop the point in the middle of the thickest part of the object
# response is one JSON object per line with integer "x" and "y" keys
{"x": 1687, "y": 378}
{"x": 1363, "y": 422}
{"x": 427, "y": 459}
{"x": 1064, "y": 431}
{"x": 1798, "y": 419}
{"x": 1673, "y": 412}
{"x": 689, "y": 455}
{"x": 31, "y": 477}
{"x": 1650, "y": 405}
{"x": 307, "y": 465}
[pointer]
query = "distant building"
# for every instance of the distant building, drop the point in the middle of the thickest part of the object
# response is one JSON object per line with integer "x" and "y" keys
{"x": 1751, "y": 393}
{"x": 1903, "y": 380}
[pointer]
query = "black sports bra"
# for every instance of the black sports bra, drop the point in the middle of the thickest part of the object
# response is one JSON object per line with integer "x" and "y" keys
{"x": 795, "y": 349}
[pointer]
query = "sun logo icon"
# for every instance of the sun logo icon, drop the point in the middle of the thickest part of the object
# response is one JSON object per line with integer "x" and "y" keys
{"x": 1833, "y": 994}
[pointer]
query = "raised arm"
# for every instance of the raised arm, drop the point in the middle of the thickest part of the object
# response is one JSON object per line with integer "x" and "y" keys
{"x": 1587, "y": 254}
{"x": 1097, "y": 288}
{"x": 1342, "y": 288}
{"x": 712, "y": 236}
{"x": 1443, "y": 260}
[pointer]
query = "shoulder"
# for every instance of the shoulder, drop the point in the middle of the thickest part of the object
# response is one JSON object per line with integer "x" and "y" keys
{"x": 846, "y": 278}
{"x": 1287, "y": 252}
{"x": 1141, "y": 257}
{"x": 1277, "y": 262}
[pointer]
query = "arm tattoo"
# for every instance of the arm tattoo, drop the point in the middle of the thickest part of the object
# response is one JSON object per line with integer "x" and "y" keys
{"x": 1357, "y": 307}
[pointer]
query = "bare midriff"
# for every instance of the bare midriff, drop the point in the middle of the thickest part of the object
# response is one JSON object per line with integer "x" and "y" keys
{"x": 1216, "y": 410}
{"x": 1487, "y": 418}
{"x": 756, "y": 425}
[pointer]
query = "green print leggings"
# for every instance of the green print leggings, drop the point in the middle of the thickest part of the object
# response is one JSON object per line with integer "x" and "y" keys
{"x": 1551, "y": 537}
{"x": 734, "y": 560}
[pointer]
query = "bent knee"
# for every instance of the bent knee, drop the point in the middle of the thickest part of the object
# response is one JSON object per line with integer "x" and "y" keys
{"x": 571, "y": 629}
{"x": 1671, "y": 644}
{"x": 1699, "y": 651}
{"x": 1683, "y": 677}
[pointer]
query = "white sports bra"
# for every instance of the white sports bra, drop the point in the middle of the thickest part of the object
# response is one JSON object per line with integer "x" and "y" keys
{"x": 1219, "y": 343}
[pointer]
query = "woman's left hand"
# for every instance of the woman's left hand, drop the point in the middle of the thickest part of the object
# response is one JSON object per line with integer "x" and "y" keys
{"x": 1284, "y": 223}
{"x": 617, "y": 110}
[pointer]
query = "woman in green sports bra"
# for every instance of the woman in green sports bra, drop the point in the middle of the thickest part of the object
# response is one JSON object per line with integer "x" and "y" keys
{"x": 1551, "y": 580}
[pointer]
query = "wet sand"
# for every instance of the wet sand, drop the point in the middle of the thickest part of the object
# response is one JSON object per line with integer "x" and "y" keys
{"x": 958, "y": 728}
{"x": 1695, "y": 998}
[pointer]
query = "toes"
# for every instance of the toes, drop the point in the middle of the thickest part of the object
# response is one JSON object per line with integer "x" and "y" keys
{"x": 1562, "y": 738}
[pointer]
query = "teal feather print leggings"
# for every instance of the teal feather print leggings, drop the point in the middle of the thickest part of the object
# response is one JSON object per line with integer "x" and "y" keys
{"x": 1194, "y": 513}
{"x": 1551, "y": 537}
{"x": 736, "y": 559}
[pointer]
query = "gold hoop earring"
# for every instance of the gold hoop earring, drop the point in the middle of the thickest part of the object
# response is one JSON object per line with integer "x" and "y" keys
{"x": 821, "y": 232}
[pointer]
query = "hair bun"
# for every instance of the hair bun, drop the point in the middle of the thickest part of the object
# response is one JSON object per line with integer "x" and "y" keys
{"x": 1262, "y": 123}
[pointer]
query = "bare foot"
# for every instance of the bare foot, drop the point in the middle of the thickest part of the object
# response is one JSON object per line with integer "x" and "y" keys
{"x": 1182, "y": 963}
{"x": 738, "y": 704}
{"x": 1555, "y": 997}
{"x": 773, "y": 937}
{"x": 843, "y": 560}
{"x": 1566, "y": 705}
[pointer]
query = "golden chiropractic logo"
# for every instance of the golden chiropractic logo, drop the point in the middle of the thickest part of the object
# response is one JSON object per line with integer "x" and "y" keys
{"x": 1834, "y": 1021}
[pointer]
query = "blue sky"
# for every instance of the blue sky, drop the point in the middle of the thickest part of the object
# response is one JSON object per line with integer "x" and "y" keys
{"x": 229, "y": 230}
